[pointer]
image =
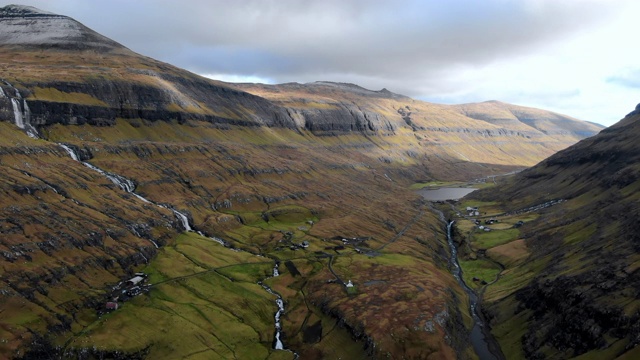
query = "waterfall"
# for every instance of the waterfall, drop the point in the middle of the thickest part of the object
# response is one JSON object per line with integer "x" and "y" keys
{"x": 70, "y": 151}
{"x": 183, "y": 219}
{"x": 126, "y": 185}
{"x": 278, "y": 345}
{"x": 31, "y": 130}
{"x": 17, "y": 113}
{"x": 122, "y": 182}
{"x": 218, "y": 240}
{"x": 22, "y": 118}
{"x": 275, "y": 271}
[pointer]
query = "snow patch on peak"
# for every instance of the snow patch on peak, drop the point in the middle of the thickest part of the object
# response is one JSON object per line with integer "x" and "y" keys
{"x": 22, "y": 11}
{"x": 26, "y": 25}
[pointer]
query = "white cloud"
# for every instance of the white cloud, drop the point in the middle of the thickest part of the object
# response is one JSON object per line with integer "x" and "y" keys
{"x": 235, "y": 78}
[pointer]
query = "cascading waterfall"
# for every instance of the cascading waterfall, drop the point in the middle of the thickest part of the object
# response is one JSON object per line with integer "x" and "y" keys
{"x": 21, "y": 115}
{"x": 277, "y": 343}
{"x": 122, "y": 182}
{"x": 70, "y": 151}
{"x": 183, "y": 218}
{"x": 31, "y": 130}
{"x": 17, "y": 113}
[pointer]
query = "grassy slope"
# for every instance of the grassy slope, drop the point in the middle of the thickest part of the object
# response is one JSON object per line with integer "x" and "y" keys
{"x": 570, "y": 287}
{"x": 250, "y": 187}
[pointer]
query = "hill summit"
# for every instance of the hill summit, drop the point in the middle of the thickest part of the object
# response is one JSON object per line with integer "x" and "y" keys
{"x": 29, "y": 26}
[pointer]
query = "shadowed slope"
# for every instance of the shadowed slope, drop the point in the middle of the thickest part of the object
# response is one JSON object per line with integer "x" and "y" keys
{"x": 577, "y": 292}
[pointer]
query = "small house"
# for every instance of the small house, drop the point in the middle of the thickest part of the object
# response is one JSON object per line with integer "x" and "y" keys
{"x": 111, "y": 305}
{"x": 135, "y": 280}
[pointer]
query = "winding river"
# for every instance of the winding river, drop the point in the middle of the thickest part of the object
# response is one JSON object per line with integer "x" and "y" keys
{"x": 483, "y": 342}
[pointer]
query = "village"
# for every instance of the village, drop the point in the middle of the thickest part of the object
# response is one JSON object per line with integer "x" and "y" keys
{"x": 124, "y": 291}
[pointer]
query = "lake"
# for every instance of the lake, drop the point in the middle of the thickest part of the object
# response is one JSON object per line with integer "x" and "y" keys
{"x": 445, "y": 193}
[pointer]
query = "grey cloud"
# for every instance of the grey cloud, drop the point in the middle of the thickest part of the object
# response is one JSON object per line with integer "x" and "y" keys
{"x": 406, "y": 46}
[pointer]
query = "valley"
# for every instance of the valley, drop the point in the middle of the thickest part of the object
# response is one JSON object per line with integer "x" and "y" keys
{"x": 286, "y": 221}
{"x": 557, "y": 268}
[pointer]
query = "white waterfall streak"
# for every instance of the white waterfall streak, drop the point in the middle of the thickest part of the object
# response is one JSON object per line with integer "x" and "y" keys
{"x": 278, "y": 345}
{"x": 31, "y": 130}
{"x": 218, "y": 240}
{"x": 183, "y": 219}
{"x": 17, "y": 113}
{"x": 70, "y": 151}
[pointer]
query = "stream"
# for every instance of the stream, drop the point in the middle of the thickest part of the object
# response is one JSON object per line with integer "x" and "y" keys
{"x": 483, "y": 342}
{"x": 277, "y": 343}
{"x": 129, "y": 186}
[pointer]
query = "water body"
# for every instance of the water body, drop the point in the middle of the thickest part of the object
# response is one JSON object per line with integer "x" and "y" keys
{"x": 483, "y": 343}
{"x": 445, "y": 193}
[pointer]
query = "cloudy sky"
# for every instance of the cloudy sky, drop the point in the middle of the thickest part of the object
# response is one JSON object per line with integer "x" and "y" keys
{"x": 577, "y": 57}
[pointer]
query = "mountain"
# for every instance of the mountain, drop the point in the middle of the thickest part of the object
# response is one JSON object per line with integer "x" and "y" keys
{"x": 28, "y": 26}
{"x": 546, "y": 122}
{"x": 574, "y": 291}
{"x": 147, "y": 212}
{"x": 445, "y": 139}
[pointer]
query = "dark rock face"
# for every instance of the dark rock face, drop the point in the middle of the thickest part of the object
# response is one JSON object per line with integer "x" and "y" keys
{"x": 569, "y": 315}
{"x": 137, "y": 101}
